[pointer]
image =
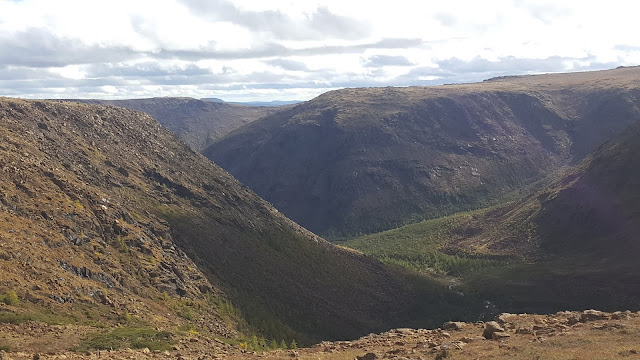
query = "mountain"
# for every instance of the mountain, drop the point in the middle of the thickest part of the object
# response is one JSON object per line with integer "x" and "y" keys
{"x": 105, "y": 215}
{"x": 197, "y": 122}
{"x": 572, "y": 245}
{"x": 364, "y": 160}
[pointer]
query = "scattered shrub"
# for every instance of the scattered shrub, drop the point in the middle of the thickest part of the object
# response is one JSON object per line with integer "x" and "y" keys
{"x": 10, "y": 298}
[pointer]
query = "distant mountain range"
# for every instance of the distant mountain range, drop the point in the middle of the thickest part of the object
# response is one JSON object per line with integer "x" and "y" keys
{"x": 256, "y": 103}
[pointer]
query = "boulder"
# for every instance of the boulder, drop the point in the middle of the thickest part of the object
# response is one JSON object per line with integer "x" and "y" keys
{"x": 499, "y": 335}
{"x": 593, "y": 315}
{"x": 490, "y": 328}
{"x": 453, "y": 325}
{"x": 619, "y": 315}
{"x": 505, "y": 318}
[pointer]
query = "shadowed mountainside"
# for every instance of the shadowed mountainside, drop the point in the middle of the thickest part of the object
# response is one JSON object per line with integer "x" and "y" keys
{"x": 97, "y": 198}
{"x": 572, "y": 245}
{"x": 197, "y": 122}
{"x": 364, "y": 160}
{"x": 593, "y": 209}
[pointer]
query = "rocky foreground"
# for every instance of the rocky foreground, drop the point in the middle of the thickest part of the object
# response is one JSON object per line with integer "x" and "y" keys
{"x": 589, "y": 334}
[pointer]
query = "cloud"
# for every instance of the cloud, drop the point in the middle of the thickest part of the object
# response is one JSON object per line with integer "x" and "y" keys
{"x": 145, "y": 69}
{"x": 320, "y": 24}
{"x": 623, "y": 47}
{"x": 545, "y": 12}
{"x": 40, "y": 48}
{"x": 267, "y": 50}
{"x": 445, "y": 19}
{"x": 255, "y": 48}
{"x": 514, "y": 65}
{"x": 387, "y": 60}
{"x": 288, "y": 64}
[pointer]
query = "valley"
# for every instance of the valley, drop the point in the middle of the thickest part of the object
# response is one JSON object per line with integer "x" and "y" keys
{"x": 445, "y": 206}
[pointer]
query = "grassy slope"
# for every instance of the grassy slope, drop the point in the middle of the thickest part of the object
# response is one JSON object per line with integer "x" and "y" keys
{"x": 571, "y": 245}
{"x": 63, "y": 159}
{"x": 375, "y": 158}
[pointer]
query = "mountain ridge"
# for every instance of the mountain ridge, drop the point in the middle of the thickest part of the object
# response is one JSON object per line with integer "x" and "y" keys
{"x": 371, "y": 159}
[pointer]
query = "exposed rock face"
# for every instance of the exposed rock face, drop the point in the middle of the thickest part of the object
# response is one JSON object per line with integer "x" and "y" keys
{"x": 364, "y": 160}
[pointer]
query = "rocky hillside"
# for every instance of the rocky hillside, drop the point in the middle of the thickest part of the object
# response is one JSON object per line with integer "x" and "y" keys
{"x": 75, "y": 246}
{"x": 101, "y": 206}
{"x": 363, "y": 160}
{"x": 588, "y": 334}
{"x": 197, "y": 122}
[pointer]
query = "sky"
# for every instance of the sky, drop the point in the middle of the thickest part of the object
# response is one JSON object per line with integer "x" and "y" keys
{"x": 263, "y": 50}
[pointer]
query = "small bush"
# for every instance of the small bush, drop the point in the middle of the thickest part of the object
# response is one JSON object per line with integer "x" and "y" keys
{"x": 126, "y": 316}
{"x": 122, "y": 245}
{"x": 10, "y": 298}
{"x": 5, "y": 348}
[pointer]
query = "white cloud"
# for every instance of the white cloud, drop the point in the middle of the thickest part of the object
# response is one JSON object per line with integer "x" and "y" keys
{"x": 255, "y": 49}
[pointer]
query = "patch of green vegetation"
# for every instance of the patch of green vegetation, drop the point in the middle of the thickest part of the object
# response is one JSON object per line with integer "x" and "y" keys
{"x": 442, "y": 264}
{"x": 10, "y": 298}
{"x": 122, "y": 245}
{"x": 187, "y": 329}
{"x": 417, "y": 246}
{"x": 77, "y": 314}
{"x": 418, "y": 238}
{"x": 185, "y": 308}
{"x": 127, "y": 337}
{"x": 43, "y": 317}
{"x": 5, "y": 348}
{"x": 259, "y": 344}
